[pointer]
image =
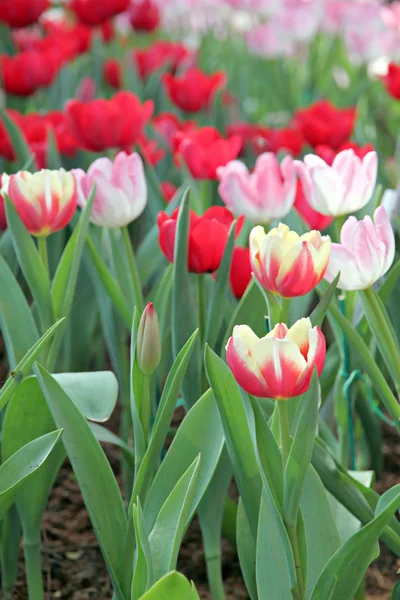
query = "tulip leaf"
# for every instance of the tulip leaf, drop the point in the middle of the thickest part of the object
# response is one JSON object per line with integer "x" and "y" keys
{"x": 53, "y": 158}
{"x": 246, "y": 547}
{"x": 22, "y": 465}
{"x": 184, "y": 311}
{"x": 24, "y": 156}
{"x": 172, "y": 520}
{"x": 173, "y": 585}
{"x": 14, "y": 310}
{"x": 200, "y": 425}
{"x": 318, "y": 314}
{"x": 344, "y": 572}
{"x": 105, "y": 436}
{"x": 275, "y": 568}
{"x": 237, "y": 433}
{"x": 31, "y": 264}
{"x": 301, "y": 451}
{"x": 10, "y": 547}
{"x": 143, "y": 567}
{"x": 60, "y": 279}
{"x": 96, "y": 480}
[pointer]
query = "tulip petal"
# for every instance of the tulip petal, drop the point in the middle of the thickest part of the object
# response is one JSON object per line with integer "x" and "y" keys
{"x": 315, "y": 358}
{"x": 241, "y": 362}
{"x": 342, "y": 259}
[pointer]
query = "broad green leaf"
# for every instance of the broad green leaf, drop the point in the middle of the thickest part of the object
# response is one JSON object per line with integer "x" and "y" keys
{"x": 344, "y": 572}
{"x": 301, "y": 451}
{"x": 166, "y": 536}
{"x": 96, "y": 480}
{"x": 246, "y": 547}
{"x": 60, "y": 279}
{"x": 7, "y": 251}
{"x": 275, "y": 569}
{"x": 31, "y": 264}
{"x": 237, "y": 433}
{"x": 106, "y": 436}
{"x": 143, "y": 567}
{"x": 14, "y": 310}
{"x": 321, "y": 534}
{"x": 22, "y": 465}
{"x": 10, "y": 528}
{"x": 174, "y": 585}
{"x": 200, "y": 425}
{"x": 24, "y": 156}
{"x": 318, "y": 314}
{"x": 163, "y": 419}
{"x": 184, "y": 311}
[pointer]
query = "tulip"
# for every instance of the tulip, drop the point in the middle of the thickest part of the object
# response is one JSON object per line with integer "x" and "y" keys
{"x": 328, "y": 154}
{"x": 240, "y": 274}
{"x": 21, "y": 13}
{"x": 343, "y": 188}
{"x": 160, "y": 54}
{"x": 45, "y": 201}
{"x": 313, "y": 218}
{"x": 324, "y": 124}
{"x": 288, "y": 264}
{"x": 148, "y": 345}
{"x": 204, "y": 150}
{"x": 26, "y": 72}
{"x": 392, "y": 80}
{"x": 115, "y": 123}
{"x": 144, "y": 15}
{"x": 266, "y": 193}
{"x": 4, "y": 179}
{"x": 121, "y": 191}
{"x": 208, "y": 235}
{"x": 279, "y": 365}
{"x": 365, "y": 253}
{"x": 194, "y": 90}
{"x": 93, "y": 12}
{"x": 168, "y": 124}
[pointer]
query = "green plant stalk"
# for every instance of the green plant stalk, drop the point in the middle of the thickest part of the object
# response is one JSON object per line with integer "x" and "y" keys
{"x": 214, "y": 576}
{"x": 284, "y": 316}
{"x": 33, "y": 568}
{"x": 44, "y": 255}
{"x": 299, "y": 592}
{"x": 201, "y": 307}
{"x": 145, "y": 410}
{"x": 133, "y": 269}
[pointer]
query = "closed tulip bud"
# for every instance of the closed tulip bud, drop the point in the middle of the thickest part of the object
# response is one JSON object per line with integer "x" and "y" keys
{"x": 366, "y": 252}
{"x": 288, "y": 264}
{"x": 279, "y": 365}
{"x": 45, "y": 201}
{"x": 148, "y": 344}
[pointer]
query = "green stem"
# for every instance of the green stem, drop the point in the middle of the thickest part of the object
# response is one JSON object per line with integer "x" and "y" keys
{"x": 133, "y": 269}
{"x": 300, "y": 592}
{"x": 42, "y": 245}
{"x": 214, "y": 575}
{"x": 201, "y": 306}
{"x": 145, "y": 410}
{"x": 33, "y": 567}
{"x": 284, "y": 427}
{"x": 284, "y": 316}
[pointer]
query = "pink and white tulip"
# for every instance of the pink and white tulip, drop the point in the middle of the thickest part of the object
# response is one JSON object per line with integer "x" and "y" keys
{"x": 288, "y": 264}
{"x": 341, "y": 189}
{"x": 45, "y": 201}
{"x": 279, "y": 365}
{"x": 121, "y": 191}
{"x": 266, "y": 193}
{"x": 366, "y": 251}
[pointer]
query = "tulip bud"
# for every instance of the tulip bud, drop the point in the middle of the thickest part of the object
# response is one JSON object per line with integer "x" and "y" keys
{"x": 148, "y": 346}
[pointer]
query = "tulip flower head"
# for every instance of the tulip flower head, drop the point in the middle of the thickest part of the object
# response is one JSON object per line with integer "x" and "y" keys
{"x": 343, "y": 188}
{"x": 279, "y": 365}
{"x": 365, "y": 253}
{"x": 324, "y": 124}
{"x": 121, "y": 190}
{"x": 288, "y": 264}
{"x": 240, "y": 273}
{"x": 266, "y": 193}
{"x": 45, "y": 201}
{"x": 194, "y": 90}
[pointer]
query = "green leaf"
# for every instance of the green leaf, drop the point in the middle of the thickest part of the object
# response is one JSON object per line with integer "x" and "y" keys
{"x": 14, "y": 310}
{"x": 318, "y": 314}
{"x": 108, "y": 437}
{"x": 173, "y": 585}
{"x": 172, "y": 520}
{"x": 301, "y": 451}
{"x": 23, "y": 154}
{"x": 22, "y": 465}
{"x": 200, "y": 425}
{"x": 246, "y": 547}
{"x": 60, "y": 279}
{"x": 275, "y": 569}
{"x": 31, "y": 264}
{"x": 163, "y": 419}
{"x": 53, "y": 158}
{"x": 237, "y": 434}
{"x": 184, "y": 321}
{"x": 344, "y": 572}
{"x": 10, "y": 529}
{"x": 96, "y": 480}
{"x": 143, "y": 567}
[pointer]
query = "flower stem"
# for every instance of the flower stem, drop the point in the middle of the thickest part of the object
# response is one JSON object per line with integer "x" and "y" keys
{"x": 133, "y": 269}
{"x": 42, "y": 244}
{"x": 201, "y": 306}
{"x": 284, "y": 427}
{"x": 33, "y": 567}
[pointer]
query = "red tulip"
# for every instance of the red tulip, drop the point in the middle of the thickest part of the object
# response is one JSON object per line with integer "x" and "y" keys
{"x": 240, "y": 274}
{"x": 392, "y": 80}
{"x": 260, "y": 139}
{"x": 324, "y": 124}
{"x": 144, "y": 15}
{"x": 112, "y": 73}
{"x": 328, "y": 155}
{"x": 168, "y": 190}
{"x": 162, "y": 52}
{"x": 21, "y": 13}
{"x": 208, "y": 235}
{"x": 313, "y": 218}
{"x": 97, "y": 12}
{"x": 168, "y": 124}
{"x": 150, "y": 151}
{"x": 115, "y": 123}
{"x": 204, "y": 150}
{"x": 24, "y": 73}
{"x": 194, "y": 90}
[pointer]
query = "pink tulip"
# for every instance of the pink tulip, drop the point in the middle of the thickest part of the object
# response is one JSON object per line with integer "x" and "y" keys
{"x": 121, "y": 191}
{"x": 266, "y": 193}
{"x": 279, "y": 365}
{"x": 366, "y": 252}
{"x": 343, "y": 188}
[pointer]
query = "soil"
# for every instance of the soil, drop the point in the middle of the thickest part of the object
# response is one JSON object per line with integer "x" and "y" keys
{"x": 74, "y": 569}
